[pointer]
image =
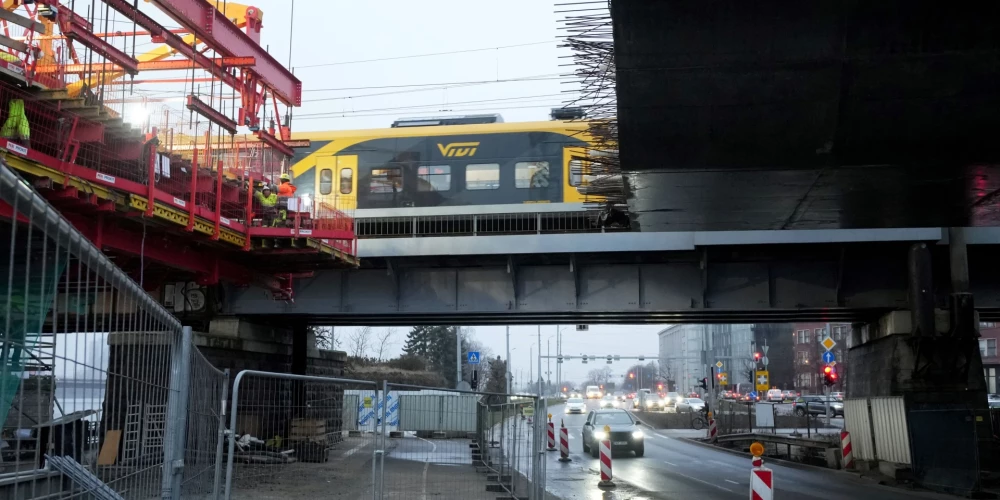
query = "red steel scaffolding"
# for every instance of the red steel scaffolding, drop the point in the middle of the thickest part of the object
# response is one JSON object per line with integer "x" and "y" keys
{"x": 177, "y": 190}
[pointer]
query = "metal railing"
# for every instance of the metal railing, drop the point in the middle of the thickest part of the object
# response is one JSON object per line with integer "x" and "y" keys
{"x": 438, "y": 430}
{"x": 485, "y": 224}
{"x": 287, "y": 429}
{"x": 94, "y": 372}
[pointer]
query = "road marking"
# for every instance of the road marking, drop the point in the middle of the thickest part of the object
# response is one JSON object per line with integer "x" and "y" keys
{"x": 731, "y": 481}
{"x": 670, "y": 464}
{"x": 724, "y": 464}
{"x": 354, "y": 450}
{"x": 423, "y": 495}
{"x": 705, "y": 482}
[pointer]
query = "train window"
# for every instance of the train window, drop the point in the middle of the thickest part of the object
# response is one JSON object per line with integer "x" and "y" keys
{"x": 482, "y": 176}
{"x": 531, "y": 174}
{"x": 386, "y": 180}
{"x": 325, "y": 181}
{"x": 346, "y": 181}
{"x": 434, "y": 178}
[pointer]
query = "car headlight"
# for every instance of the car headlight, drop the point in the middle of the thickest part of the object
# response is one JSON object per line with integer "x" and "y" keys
{"x": 566, "y": 410}
{"x": 600, "y": 435}
{"x": 637, "y": 434}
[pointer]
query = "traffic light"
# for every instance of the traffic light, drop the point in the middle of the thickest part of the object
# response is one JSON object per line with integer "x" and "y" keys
{"x": 704, "y": 383}
{"x": 659, "y": 387}
{"x": 564, "y": 389}
{"x": 829, "y": 375}
{"x": 756, "y": 356}
{"x": 631, "y": 375}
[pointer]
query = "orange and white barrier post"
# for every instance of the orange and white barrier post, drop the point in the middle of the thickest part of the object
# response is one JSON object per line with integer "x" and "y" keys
{"x": 563, "y": 442}
{"x": 713, "y": 429}
{"x": 605, "y": 447}
{"x": 552, "y": 434}
{"x": 845, "y": 450}
{"x": 761, "y": 478}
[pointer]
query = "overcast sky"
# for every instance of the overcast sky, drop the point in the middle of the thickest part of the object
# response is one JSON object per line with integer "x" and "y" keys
{"x": 364, "y": 64}
{"x": 600, "y": 340}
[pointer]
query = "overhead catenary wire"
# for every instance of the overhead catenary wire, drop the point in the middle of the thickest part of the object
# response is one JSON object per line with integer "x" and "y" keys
{"x": 431, "y": 54}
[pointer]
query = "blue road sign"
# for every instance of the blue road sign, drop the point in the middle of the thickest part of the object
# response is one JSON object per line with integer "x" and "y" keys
{"x": 753, "y": 394}
{"x": 828, "y": 357}
{"x": 473, "y": 358}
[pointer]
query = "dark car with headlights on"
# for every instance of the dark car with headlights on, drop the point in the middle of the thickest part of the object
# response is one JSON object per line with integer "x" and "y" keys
{"x": 625, "y": 432}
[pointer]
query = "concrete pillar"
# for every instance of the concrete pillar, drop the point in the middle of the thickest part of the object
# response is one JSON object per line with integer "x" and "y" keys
{"x": 928, "y": 359}
{"x": 300, "y": 364}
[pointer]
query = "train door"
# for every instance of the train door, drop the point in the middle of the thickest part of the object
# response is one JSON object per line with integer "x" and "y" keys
{"x": 337, "y": 181}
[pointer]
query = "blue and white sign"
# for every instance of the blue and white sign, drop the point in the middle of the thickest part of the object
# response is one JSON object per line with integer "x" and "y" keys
{"x": 753, "y": 394}
{"x": 473, "y": 358}
{"x": 828, "y": 357}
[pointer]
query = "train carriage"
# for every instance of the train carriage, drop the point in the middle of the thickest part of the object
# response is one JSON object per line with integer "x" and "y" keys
{"x": 448, "y": 167}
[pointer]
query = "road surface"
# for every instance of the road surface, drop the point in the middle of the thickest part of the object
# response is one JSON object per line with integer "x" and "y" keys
{"x": 674, "y": 468}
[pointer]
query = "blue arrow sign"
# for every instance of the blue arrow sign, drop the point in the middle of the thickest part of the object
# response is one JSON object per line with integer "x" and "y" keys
{"x": 753, "y": 394}
{"x": 473, "y": 358}
{"x": 828, "y": 357}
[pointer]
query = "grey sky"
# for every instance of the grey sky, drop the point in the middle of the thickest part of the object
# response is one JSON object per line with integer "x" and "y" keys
{"x": 519, "y": 38}
{"x": 601, "y": 340}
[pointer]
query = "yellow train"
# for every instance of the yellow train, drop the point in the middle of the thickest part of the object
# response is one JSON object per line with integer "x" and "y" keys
{"x": 446, "y": 166}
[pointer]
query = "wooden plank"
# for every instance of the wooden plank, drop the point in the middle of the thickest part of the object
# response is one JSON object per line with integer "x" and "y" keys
{"x": 22, "y": 21}
{"x": 109, "y": 452}
{"x": 14, "y": 44}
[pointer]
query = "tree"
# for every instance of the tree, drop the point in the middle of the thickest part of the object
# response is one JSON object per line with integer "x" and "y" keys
{"x": 599, "y": 376}
{"x": 642, "y": 376}
{"x": 359, "y": 341}
{"x": 496, "y": 377}
{"x": 383, "y": 341}
{"x": 326, "y": 337}
{"x": 436, "y": 344}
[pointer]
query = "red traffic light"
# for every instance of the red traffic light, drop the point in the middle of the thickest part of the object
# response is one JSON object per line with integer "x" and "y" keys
{"x": 756, "y": 355}
{"x": 631, "y": 375}
{"x": 659, "y": 386}
{"x": 828, "y": 370}
{"x": 718, "y": 376}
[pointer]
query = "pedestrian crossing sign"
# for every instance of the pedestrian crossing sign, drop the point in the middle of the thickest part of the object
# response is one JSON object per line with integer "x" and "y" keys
{"x": 473, "y": 357}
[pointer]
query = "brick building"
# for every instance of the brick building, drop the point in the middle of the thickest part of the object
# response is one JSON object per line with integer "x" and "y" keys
{"x": 807, "y": 352}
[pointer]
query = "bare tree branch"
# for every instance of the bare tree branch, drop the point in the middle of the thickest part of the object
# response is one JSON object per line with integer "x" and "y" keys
{"x": 359, "y": 342}
{"x": 384, "y": 341}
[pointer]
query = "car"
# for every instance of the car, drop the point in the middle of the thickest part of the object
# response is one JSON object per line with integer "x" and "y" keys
{"x": 576, "y": 395}
{"x": 564, "y": 396}
{"x": 575, "y": 405}
{"x": 817, "y": 405}
{"x": 609, "y": 401}
{"x": 637, "y": 398}
{"x": 690, "y": 405}
{"x": 789, "y": 395}
{"x": 652, "y": 402}
{"x": 837, "y": 395}
{"x": 730, "y": 395}
{"x": 672, "y": 399}
{"x": 625, "y": 432}
{"x": 593, "y": 392}
{"x": 775, "y": 396}
{"x": 693, "y": 395}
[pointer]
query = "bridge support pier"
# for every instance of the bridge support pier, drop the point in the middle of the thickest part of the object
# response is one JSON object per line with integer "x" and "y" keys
{"x": 916, "y": 392}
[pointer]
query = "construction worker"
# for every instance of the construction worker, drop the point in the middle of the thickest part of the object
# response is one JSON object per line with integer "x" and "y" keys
{"x": 269, "y": 205}
{"x": 16, "y": 126}
{"x": 286, "y": 188}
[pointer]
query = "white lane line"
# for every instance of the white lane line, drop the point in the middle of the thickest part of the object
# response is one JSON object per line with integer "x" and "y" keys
{"x": 354, "y": 450}
{"x": 423, "y": 494}
{"x": 723, "y": 464}
{"x": 670, "y": 463}
{"x": 705, "y": 482}
{"x": 731, "y": 481}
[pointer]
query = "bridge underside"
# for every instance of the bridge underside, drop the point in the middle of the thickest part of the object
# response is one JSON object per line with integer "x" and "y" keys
{"x": 718, "y": 284}
{"x": 829, "y": 114}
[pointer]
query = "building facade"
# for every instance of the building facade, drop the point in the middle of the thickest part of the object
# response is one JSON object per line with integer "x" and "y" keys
{"x": 681, "y": 349}
{"x": 689, "y": 353}
{"x": 780, "y": 352}
{"x": 807, "y": 352}
{"x": 989, "y": 336}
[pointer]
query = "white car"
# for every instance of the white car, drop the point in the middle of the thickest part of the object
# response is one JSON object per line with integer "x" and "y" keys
{"x": 609, "y": 401}
{"x": 775, "y": 395}
{"x": 575, "y": 405}
{"x": 690, "y": 405}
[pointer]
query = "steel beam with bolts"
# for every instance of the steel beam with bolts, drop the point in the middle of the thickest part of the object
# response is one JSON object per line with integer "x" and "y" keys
{"x": 168, "y": 65}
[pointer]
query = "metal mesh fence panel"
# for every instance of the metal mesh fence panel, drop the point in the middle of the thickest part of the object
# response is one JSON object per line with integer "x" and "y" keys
{"x": 435, "y": 435}
{"x": 296, "y": 436}
{"x": 94, "y": 381}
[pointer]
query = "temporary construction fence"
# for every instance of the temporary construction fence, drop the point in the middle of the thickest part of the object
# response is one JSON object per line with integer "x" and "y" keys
{"x": 284, "y": 425}
{"x": 95, "y": 372}
{"x": 388, "y": 441}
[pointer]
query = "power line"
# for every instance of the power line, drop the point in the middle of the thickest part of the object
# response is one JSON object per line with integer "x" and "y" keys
{"x": 347, "y": 114}
{"x": 432, "y": 54}
{"x": 458, "y": 103}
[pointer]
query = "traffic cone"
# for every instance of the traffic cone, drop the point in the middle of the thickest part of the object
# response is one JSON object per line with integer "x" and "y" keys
{"x": 552, "y": 434}
{"x": 563, "y": 442}
{"x": 605, "y": 446}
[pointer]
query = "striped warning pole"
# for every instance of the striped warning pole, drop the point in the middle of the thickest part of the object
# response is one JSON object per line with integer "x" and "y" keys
{"x": 552, "y": 435}
{"x": 605, "y": 446}
{"x": 845, "y": 450}
{"x": 563, "y": 442}
{"x": 761, "y": 478}
{"x": 713, "y": 431}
